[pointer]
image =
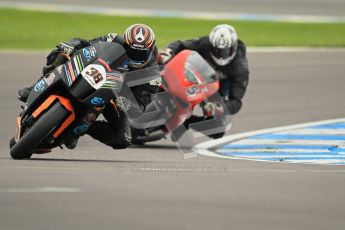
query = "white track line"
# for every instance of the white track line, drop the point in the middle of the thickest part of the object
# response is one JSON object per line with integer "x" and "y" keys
{"x": 40, "y": 190}
{"x": 316, "y": 132}
{"x": 226, "y": 150}
{"x": 290, "y": 142}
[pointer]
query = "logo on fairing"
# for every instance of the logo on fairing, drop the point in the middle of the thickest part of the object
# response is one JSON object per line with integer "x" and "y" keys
{"x": 97, "y": 101}
{"x": 40, "y": 86}
{"x": 89, "y": 53}
{"x": 50, "y": 78}
{"x": 95, "y": 75}
{"x": 192, "y": 91}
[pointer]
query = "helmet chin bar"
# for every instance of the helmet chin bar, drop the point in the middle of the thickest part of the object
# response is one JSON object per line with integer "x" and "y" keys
{"x": 222, "y": 62}
{"x": 136, "y": 65}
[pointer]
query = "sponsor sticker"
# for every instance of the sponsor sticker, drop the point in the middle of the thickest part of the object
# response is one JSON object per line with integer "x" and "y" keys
{"x": 50, "y": 78}
{"x": 89, "y": 53}
{"x": 192, "y": 90}
{"x": 40, "y": 86}
{"x": 95, "y": 75}
{"x": 97, "y": 101}
{"x": 156, "y": 82}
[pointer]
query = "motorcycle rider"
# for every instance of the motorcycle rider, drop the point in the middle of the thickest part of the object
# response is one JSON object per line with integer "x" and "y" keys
{"x": 227, "y": 55}
{"x": 139, "y": 43}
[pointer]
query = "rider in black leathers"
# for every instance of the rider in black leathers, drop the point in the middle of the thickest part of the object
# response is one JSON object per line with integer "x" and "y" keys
{"x": 139, "y": 43}
{"x": 227, "y": 55}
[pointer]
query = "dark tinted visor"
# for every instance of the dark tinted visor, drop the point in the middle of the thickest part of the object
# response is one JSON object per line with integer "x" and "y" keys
{"x": 139, "y": 55}
{"x": 222, "y": 53}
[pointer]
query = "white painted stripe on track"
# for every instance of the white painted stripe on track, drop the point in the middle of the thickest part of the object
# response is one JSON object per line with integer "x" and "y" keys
{"x": 315, "y": 132}
{"x": 290, "y": 142}
{"x": 169, "y": 13}
{"x": 254, "y": 157}
{"x": 203, "y": 148}
{"x": 225, "y": 150}
{"x": 40, "y": 190}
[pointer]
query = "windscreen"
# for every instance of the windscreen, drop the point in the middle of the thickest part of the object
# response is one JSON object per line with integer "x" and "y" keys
{"x": 198, "y": 71}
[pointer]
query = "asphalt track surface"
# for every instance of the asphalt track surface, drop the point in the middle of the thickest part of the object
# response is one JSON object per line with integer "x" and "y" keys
{"x": 152, "y": 187}
{"x": 295, "y": 7}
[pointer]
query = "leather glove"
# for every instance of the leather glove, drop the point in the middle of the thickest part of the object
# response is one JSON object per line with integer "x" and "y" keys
{"x": 123, "y": 103}
{"x": 165, "y": 55}
{"x": 209, "y": 109}
{"x": 212, "y": 109}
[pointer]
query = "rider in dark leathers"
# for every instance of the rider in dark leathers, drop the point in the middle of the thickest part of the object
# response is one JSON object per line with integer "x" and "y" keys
{"x": 116, "y": 130}
{"x": 227, "y": 55}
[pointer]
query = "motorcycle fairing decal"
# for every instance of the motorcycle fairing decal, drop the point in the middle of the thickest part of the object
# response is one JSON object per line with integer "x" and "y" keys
{"x": 43, "y": 106}
{"x": 113, "y": 81}
{"x": 110, "y": 85}
{"x": 79, "y": 63}
{"x": 69, "y": 79}
{"x": 89, "y": 53}
{"x": 40, "y": 85}
{"x": 70, "y": 68}
{"x": 104, "y": 64}
{"x": 75, "y": 67}
{"x": 66, "y": 103}
{"x": 114, "y": 77}
{"x": 95, "y": 75}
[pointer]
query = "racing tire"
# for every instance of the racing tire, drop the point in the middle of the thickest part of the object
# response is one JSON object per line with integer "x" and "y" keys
{"x": 40, "y": 130}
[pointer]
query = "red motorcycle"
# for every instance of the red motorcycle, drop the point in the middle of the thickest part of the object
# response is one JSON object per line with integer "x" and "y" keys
{"x": 190, "y": 81}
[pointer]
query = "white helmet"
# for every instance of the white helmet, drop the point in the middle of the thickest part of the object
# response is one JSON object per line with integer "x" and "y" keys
{"x": 223, "y": 39}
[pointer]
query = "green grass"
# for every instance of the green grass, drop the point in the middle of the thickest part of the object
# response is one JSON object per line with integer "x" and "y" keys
{"x": 42, "y": 30}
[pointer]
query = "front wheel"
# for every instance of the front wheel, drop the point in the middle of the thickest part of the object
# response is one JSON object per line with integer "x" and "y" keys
{"x": 38, "y": 132}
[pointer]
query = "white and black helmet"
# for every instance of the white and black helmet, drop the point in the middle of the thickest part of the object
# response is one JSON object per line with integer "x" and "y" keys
{"x": 223, "y": 39}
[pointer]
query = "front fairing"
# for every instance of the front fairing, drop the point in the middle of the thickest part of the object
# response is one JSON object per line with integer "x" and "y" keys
{"x": 189, "y": 77}
{"x": 190, "y": 80}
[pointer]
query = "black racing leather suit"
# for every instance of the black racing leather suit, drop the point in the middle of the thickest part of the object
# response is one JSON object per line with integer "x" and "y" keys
{"x": 116, "y": 130}
{"x": 235, "y": 75}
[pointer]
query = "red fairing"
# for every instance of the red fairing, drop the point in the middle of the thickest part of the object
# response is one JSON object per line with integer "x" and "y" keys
{"x": 189, "y": 79}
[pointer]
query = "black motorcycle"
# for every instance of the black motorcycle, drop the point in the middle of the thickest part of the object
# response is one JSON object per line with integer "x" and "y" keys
{"x": 66, "y": 102}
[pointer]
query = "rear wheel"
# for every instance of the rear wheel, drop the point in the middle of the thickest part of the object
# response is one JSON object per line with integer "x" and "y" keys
{"x": 40, "y": 130}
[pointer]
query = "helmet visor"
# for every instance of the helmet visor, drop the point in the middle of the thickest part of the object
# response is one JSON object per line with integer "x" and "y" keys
{"x": 223, "y": 53}
{"x": 139, "y": 55}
